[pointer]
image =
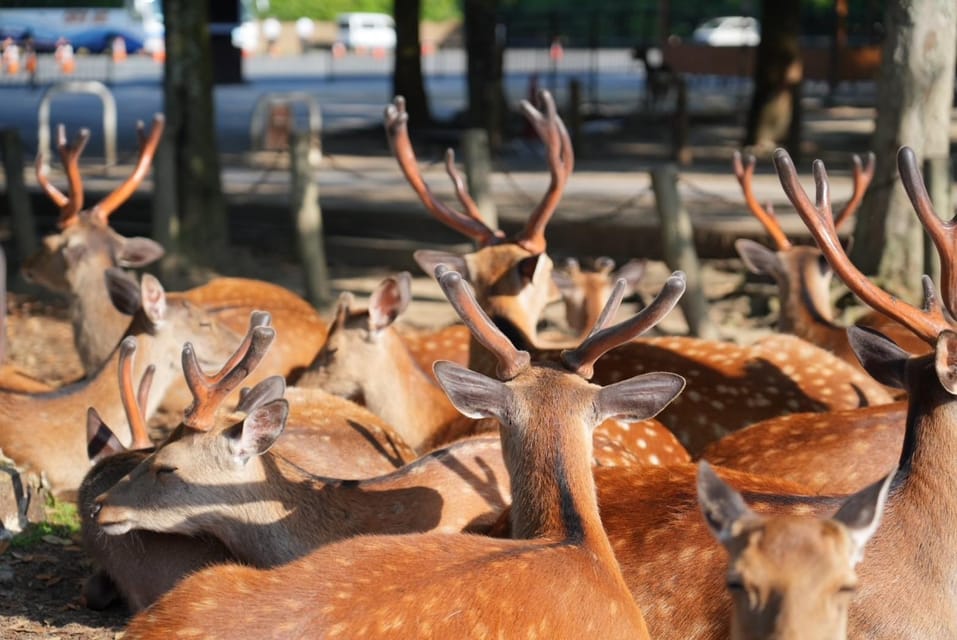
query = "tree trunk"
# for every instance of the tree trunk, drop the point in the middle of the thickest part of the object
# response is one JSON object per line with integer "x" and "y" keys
{"x": 914, "y": 94}
{"x": 484, "y": 44}
{"x": 407, "y": 77}
{"x": 774, "y": 117}
{"x": 191, "y": 131}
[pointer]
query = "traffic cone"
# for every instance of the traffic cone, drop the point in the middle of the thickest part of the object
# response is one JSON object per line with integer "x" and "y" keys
{"x": 64, "y": 55}
{"x": 338, "y": 50}
{"x": 556, "y": 52}
{"x": 11, "y": 57}
{"x": 31, "y": 63}
{"x": 119, "y": 49}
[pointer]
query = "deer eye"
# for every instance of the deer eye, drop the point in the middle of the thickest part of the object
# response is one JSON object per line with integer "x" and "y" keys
{"x": 848, "y": 588}
{"x": 735, "y": 584}
{"x": 165, "y": 470}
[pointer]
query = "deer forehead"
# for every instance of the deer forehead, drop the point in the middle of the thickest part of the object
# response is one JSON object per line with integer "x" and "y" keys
{"x": 549, "y": 390}
{"x": 791, "y": 549}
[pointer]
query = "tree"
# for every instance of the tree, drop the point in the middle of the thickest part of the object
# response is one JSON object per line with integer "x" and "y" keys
{"x": 775, "y": 115}
{"x": 190, "y": 136}
{"x": 407, "y": 77}
{"x": 484, "y": 46}
{"x": 915, "y": 91}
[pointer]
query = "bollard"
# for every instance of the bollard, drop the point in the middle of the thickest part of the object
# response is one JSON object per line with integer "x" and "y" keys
{"x": 307, "y": 218}
{"x": 679, "y": 251}
{"x": 478, "y": 169}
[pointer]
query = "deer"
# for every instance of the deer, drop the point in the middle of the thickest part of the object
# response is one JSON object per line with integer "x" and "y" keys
{"x": 365, "y": 358}
{"x": 73, "y": 262}
{"x": 584, "y": 291}
{"x": 790, "y": 576}
{"x": 39, "y": 431}
{"x": 802, "y": 273}
{"x": 782, "y": 374}
{"x": 559, "y": 570}
{"x": 651, "y": 517}
{"x": 139, "y": 566}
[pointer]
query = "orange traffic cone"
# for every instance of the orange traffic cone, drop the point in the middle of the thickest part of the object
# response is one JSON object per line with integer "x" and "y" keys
{"x": 64, "y": 55}
{"x": 11, "y": 57}
{"x": 119, "y": 49}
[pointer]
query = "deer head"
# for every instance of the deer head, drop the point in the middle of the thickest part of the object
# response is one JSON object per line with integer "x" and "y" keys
{"x": 790, "y": 576}
{"x": 584, "y": 291}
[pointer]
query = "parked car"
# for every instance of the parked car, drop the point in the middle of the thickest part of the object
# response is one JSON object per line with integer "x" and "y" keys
{"x": 366, "y": 30}
{"x": 729, "y": 31}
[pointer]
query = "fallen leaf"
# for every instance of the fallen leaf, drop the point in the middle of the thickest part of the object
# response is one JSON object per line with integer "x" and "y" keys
{"x": 51, "y": 539}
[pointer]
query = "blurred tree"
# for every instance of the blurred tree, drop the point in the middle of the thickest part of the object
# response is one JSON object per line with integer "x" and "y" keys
{"x": 775, "y": 115}
{"x": 190, "y": 135}
{"x": 485, "y": 45}
{"x": 407, "y": 77}
{"x": 915, "y": 91}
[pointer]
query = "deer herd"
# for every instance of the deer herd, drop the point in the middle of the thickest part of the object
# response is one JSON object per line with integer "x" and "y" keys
{"x": 351, "y": 479}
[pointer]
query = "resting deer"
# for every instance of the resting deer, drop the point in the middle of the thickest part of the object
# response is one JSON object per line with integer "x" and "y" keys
{"x": 790, "y": 576}
{"x": 560, "y": 574}
{"x": 74, "y": 260}
{"x": 584, "y": 291}
{"x": 803, "y": 275}
{"x": 139, "y": 566}
{"x": 365, "y": 359}
{"x": 906, "y": 579}
{"x": 42, "y": 432}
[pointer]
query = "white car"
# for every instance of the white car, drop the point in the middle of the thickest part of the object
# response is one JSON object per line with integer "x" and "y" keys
{"x": 366, "y": 31}
{"x": 729, "y": 31}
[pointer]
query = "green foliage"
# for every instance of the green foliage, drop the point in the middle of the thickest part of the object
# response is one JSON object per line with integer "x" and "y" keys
{"x": 62, "y": 521}
{"x": 329, "y": 9}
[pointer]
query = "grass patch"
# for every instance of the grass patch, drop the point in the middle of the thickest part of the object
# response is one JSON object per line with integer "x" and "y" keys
{"x": 63, "y": 521}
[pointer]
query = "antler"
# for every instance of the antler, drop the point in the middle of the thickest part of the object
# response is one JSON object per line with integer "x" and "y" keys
{"x": 511, "y": 361}
{"x": 744, "y": 172}
{"x": 210, "y": 391}
{"x": 582, "y": 359}
{"x": 926, "y": 323}
{"x": 470, "y": 223}
{"x": 863, "y": 174}
{"x": 561, "y": 161}
{"x": 71, "y": 205}
{"x": 148, "y": 145}
{"x": 133, "y": 403}
{"x": 942, "y": 233}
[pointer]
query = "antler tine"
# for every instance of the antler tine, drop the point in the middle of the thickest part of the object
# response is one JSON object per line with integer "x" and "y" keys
{"x": 397, "y": 131}
{"x": 553, "y": 133}
{"x": 942, "y": 233}
{"x": 611, "y": 306}
{"x": 863, "y": 174}
{"x": 256, "y": 319}
{"x": 582, "y": 359}
{"x": 121, "y": 194}
{"x": 511, "y": 361}
{"x": 465, "y": 198}
{"x": 744, "y": 172}
{"x": 52, "y": 192}
{"x": 926, "y": 325}
{"x": 70, "y": 157}
{"x": 134, "y": 411}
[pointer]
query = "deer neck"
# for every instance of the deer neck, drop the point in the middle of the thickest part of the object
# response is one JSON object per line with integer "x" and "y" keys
{"x": 97, "y": 324}
{"x": 399, "y": 392}
{"x": 805, "y": 308}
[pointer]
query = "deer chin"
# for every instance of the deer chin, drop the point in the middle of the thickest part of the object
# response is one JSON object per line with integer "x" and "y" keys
{"x": 116, "y": 528}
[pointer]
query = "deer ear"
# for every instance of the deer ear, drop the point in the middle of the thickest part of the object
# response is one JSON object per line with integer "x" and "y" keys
{"x": 638, "y": 398}
{"x": 473, "y": 394}
{"x": 259, "y": 431}
{"x": 758, "y": 258}
{"x": 531, "y": 267}
{"x": 124, "y": 290}
{"x": 945, "y": 360}
{"x": 428, "y": 260}
{"x": 564, "y": 282}
{"x": 721, "y": 506}
{"x": 390, "y": 299}
{"x": 861, "y": 513}
{"x": 138, "y": 252}
{"x": 272, "y": 388}
{"x": 153, "y": 298}
{"x": 880, "y": 357}
{"x": 101, "y": 442}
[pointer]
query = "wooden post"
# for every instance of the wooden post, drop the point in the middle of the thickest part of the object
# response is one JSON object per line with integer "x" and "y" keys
{"x": 307, "y": 217}
{"x": 575, "y": 116}
{"x": 682, "y": 152}
{"x": 165, "y": 218}
{"x": 937, "y": 176}
{"x": 18, "y": 200}
{"x": 478, "y": 168}
{"x": 679, "y": 250}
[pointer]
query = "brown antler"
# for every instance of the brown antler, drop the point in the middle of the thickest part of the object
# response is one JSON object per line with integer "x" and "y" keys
{"x": 561, "y": 161}
{"x": 71, "y": 205}
{"x": 863, "y": 174}
{"x": 468, "y": 224}
{"x": 926, "y": 323}
{"x": 744, "y": 172}
{"x": 942, "y": 233}
{"x": 210, "y": 391}
{"x": 118, "y": 196}
{"x": 133, "y": 403}
{"x": 511, "y": 361}
{"x": 582, "y": 359}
